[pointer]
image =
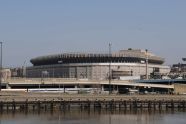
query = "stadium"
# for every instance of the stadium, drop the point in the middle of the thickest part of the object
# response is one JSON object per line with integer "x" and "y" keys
{"x": 98, "y": 66}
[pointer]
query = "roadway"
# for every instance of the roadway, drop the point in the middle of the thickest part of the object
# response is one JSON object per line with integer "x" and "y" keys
{"x": 59, "y": 81}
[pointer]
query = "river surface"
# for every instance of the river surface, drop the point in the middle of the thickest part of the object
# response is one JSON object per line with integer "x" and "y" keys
{"x": 77, "y": 116}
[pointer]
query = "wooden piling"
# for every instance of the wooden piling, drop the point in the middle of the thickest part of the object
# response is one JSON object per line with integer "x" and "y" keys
{"x": 38, "y": 105}
{"x": 1, "y": 106}
{"x": 87, "y": 104}
{"x": 13, "y": 105}
{"x": 172, "y": 104}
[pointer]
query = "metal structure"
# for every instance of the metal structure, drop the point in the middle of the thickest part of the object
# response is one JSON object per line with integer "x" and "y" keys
{"x": 147, "y": 64}
{"x": 1, "y": 64}
{"x": 131, "y": 56}
{"x": 110, "y": 68}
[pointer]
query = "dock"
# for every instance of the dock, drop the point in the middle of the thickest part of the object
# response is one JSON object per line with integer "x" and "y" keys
{"x": 51, "y": 101}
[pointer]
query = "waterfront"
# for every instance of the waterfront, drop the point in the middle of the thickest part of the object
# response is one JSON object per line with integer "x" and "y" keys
{"x": 95, "y": 116}
{"x": 58, "y": 108}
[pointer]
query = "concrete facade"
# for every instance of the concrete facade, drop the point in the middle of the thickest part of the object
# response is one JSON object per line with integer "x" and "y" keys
{"x": 180, "y": 88}
{"x": 92, "y": 71}
{"x": 6, "y": 74}
{"x": 95, "y": 66}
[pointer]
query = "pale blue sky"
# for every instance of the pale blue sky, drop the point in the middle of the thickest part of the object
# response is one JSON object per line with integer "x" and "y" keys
{"x": 30, "y": 28}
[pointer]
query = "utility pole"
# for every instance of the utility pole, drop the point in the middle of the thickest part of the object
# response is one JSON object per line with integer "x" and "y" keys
{"x": 147, "y": 64}
{"x": 110, "y": 56}
{"x": 1, "y": 65}
{"x": 24, "y": 69}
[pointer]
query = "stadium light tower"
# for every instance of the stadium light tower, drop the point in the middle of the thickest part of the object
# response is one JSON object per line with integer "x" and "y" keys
{"x": 147, "y": 64}
{"x": 110, "y": 55}
{"x": 1, "y": 64}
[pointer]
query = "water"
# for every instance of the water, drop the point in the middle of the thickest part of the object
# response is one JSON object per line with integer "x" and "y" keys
{"x": 77, "y": 116}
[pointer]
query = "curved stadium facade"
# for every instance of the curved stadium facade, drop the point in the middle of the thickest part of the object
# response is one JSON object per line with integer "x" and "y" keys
{"x": 96, "y": 66}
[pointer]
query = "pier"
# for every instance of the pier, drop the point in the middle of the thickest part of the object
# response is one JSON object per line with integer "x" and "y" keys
{"x": 52, "y": 101}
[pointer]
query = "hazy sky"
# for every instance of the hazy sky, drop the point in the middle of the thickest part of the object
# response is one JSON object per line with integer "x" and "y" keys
{"x": 30, "y": 28}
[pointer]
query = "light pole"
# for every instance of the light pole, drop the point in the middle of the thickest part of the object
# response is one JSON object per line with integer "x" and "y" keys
{"x": 110, "y": 68}
{"x": 147, "y": 64}
{"x": 1, "y": 65}
{"x": 24, "y": 69}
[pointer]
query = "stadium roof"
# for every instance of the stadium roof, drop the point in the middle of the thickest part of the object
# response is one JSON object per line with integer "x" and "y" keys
{"x": 121, "y": 56}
